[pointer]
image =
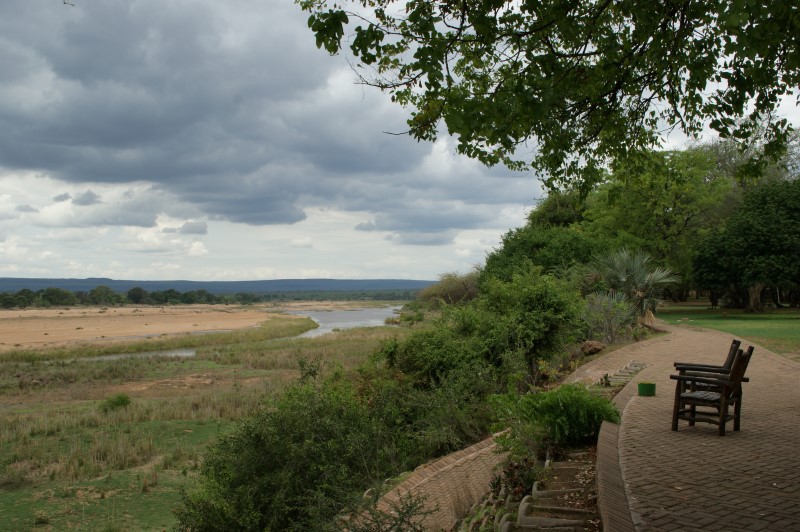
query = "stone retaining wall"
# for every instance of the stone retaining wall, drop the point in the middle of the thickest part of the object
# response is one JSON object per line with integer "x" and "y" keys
{"x": 450, "y": 485}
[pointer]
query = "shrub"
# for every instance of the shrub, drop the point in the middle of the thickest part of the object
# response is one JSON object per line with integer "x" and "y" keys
{"x": 514, "y": 325}
{"x": 295, "y": 465}
{"x": 452, "y": 288}
{"x": 567, "y": 416}
{"x": 430, "y": 355}
{"x": 608, "y": 315}
{"x": 533, "y": 316}
{"x": 430, "y": 421}
{"x": 114, "y": 403}
{"x": 407, "y": 514}
{"x": 517, "y": 477}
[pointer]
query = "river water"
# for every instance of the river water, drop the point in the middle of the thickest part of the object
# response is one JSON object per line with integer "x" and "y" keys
{"x": 328, "y": 321}
{"x": 332, "y": 320}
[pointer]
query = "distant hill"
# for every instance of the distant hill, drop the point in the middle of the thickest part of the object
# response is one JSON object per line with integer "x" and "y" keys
{"x": 15, "y": 284}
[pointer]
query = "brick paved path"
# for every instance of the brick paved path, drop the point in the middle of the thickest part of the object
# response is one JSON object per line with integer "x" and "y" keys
{"x": 693, "y": 479}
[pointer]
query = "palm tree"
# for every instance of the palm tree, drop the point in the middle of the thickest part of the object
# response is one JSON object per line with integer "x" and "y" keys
{"x": 632, "y": 274}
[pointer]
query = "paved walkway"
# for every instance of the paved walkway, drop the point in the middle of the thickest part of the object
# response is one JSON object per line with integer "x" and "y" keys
{"x": 693, "y": 479}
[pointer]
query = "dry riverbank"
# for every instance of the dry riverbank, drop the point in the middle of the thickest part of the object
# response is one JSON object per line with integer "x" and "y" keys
{"x": 40, "y": 328}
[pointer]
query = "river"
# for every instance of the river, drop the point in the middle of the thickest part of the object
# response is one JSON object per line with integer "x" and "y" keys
{"x": 327, "y": 321}
{"x": 332, "y": 320}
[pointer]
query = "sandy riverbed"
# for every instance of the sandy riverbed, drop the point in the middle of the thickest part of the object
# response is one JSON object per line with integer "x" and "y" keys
{"x": 34, "y": 328}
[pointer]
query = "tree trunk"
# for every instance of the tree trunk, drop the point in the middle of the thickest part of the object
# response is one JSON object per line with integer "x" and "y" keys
{"x": 754, "y": 303}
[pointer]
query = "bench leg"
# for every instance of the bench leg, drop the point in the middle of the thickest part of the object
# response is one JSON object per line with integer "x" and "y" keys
{"x": 677, "y": 406}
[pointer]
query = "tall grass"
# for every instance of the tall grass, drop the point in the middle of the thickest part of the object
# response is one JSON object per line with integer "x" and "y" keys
{"x": 78, "y": 439}
{"x": 82, "y": 441}
{"x": 348, "y": 348}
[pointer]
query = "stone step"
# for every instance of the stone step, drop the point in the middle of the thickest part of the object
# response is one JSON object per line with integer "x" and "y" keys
{"x": 559, "y": 512}
{"x": 557, "y": 466}
{"x": 543, "y": 494}
{"x": 579, "y": 528}
{"x": 574, "y": 458}
{"x": 563, "y": 485}
{"x": 549, "y": 522}
{"x": 530, "y": 506}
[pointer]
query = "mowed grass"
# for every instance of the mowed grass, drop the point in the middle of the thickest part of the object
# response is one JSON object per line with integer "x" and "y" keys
{"x": 74, "y": 457}
{"x": 777, "y": 329}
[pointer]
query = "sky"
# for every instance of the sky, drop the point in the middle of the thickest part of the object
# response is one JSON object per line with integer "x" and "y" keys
{"x": 208, "y": 140}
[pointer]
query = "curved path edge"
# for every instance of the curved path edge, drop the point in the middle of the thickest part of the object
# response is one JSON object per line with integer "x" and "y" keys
{"x": 612, "y": 501}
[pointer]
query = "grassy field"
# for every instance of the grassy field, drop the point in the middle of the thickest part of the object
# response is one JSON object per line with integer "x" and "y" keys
{"x": 778, "y": 329}
{"x": 108, "y": 444}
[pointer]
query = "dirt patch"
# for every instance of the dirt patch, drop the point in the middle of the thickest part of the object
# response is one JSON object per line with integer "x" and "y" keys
{"x": 36, "y": 328}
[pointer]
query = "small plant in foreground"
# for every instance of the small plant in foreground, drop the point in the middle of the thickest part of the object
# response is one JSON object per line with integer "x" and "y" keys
{"x": 407, "y": 514}
{"x": 517, "y": 477}
{"x": 568, "y": 416}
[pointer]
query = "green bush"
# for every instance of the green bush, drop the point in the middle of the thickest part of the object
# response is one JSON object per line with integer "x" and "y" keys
{"x": 430, "y": 355}
{"x": 452, "y": 288}
{"x": 427, "y": 422}
{"x": 514, "y": 325}
{"x": 567, "y": 416}
{"x": 406, "y": 515}
{"x": 533, "y": 316}
{"x": 608, "y": 316}
{"x": 293, "y": 466}
{"x": 114, "y": 403}
{"x": 554, "y": 249}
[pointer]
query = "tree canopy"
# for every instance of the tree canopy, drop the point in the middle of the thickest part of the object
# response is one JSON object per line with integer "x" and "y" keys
{"x": 659, "y": 202}
{"x": 758, "y": 246}
{"x": 584, "y": 82}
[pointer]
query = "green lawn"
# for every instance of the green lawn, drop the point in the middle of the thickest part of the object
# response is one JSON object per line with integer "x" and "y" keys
{"x": 778, "y": 330}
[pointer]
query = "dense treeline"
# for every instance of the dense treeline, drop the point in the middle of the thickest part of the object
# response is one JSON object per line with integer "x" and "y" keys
{"x": 733, "y": 238}
{"x": 103, "y": 295}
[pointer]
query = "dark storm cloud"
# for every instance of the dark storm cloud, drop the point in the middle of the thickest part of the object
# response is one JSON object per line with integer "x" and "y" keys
{"x": 85, "y": 199}
{"x": 225, "y": 105}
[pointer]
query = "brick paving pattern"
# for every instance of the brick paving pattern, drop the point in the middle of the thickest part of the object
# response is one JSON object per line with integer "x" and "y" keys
{"x": 693, "y": 479}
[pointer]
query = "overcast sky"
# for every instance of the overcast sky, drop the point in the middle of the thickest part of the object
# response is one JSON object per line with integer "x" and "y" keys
{"x": 208, "y": 140}
{"x": 211, "y": 140}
